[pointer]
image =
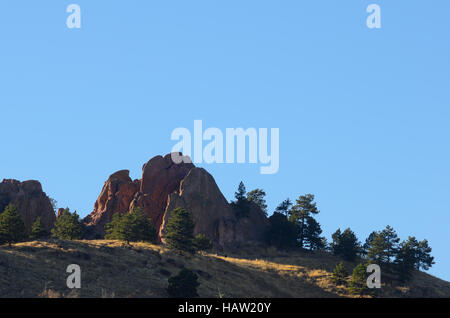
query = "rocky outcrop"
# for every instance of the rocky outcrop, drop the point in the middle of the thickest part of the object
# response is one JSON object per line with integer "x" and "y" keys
{"x": 212, "y": 215}
{"x": 116, "y": 196}
{"x": 160, "y": 177}
{"x": 165, "y": 186}
{"x": 252, "y": 227}
{"x": 30, "y": 201}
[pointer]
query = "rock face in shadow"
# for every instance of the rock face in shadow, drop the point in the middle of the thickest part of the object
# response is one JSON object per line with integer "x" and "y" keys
{"x": 165, "y": 186}
{"x": 212, "y": 215}
{"x": 30, "y": 201}
{"x": 253, "y": 227}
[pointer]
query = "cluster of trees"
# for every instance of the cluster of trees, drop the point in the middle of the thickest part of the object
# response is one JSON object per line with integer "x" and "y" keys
{"x": 137, "y": 227}
{"x": 12, "y": 228}
{"x": 243, "y": 200}
{"x": 357, "y": 284}
{"x": 68, "y": 226}
{"x": 131, "y": 227}
{"x": 294, "y": 225}
{"x": 345, "y": 244}
{"x": 385, "y": 249}
{"x": 291, "y": 225}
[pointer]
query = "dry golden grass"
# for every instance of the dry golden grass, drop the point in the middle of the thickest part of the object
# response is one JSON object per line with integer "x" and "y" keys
{"x": 114, "y": 269}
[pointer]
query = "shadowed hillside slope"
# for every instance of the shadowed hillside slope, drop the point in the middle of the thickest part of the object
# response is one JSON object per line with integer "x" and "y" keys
{"x": 112, "y": 269}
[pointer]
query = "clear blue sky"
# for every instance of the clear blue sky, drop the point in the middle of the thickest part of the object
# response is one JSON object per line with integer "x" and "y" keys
{"x": 363, "y": 114}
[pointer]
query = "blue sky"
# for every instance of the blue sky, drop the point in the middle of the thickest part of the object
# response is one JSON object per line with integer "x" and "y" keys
{"x": 363, "y": 114}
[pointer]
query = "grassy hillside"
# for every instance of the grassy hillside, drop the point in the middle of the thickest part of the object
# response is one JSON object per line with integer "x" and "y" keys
{"x": 113, "y": 269}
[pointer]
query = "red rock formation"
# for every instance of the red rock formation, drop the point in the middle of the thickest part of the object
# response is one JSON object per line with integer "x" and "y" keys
{"x": 212, "y": 215}
{"x": 116, "y": 196}
{"x": 160, "y": 177}
{"x": 30, "y": 201}
{"x": 165, "y": 186}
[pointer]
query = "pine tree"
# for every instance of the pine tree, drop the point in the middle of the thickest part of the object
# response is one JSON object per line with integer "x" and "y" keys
{"x": 120, "y": 228}
{"x": 405, "y": 262}
{"x": 257, "y": 196}
{"x": 142, "y": 227}
{"x": 180, "y": 230}
{"x": 131, "y": 227}
{"x": 304, "y": 208}
{"x": 381, "y": 247}
{"x": 368, "y": 243}
{"x": 183, "y": 285}
{"x": 67, "y": 226}
{"x": 358, "y": 282}
{"x": 345, "y": 244}
{"x": 312, "y": 238}
{"x": 12, "y": 228}
{"x": 424, "y": 259}
{"x": 378, "y": 251}
{"x": 413, "y": 255}
{"x": 284, "y": 207}
{"x": 202, "y": 242}
{"x": 240, "y": 194}
{"x": 339, "y": 276}
{"x": 241, "y": 204}
{"x": 392, "y": 242}
{"x": 38, "y": 230}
